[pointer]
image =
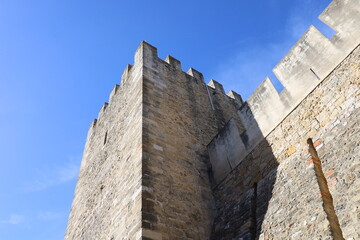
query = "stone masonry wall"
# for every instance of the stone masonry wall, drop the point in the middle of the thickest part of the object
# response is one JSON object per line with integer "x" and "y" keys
{"x": 107, "y": 201}
{"x": 273, "y": 193}
{"x": 306, "y": 64}
{"x": 144, "y": 173}
{"x": 171, "y": 157}
{"x": 179, "y": 121}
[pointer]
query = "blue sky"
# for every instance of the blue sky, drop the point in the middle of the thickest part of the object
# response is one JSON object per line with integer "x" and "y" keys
{"x": 60, "y": 59}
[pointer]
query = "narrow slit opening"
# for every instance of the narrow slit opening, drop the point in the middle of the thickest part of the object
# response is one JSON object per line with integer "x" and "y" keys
{"x": 105, "y": 138}
{"x": 314, "y": 73}
{"x": 253, "y": 228}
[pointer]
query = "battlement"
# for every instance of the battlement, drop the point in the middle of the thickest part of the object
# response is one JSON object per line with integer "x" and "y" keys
{"x": 173, "y": 62}
{"x": 214, "y": 86}
{"x": 307, "y": 63}
{"x": 146, "y": 58}
{"x": 146, "y": 168}
{"x": 126, "y": 73}
{"x": 195, "y": 74}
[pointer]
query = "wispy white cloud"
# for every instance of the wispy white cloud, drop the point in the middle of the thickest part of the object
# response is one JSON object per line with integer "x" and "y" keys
{"x": 18, "y": 219}
{"x": 68, "y": 172}
{"x": 48, "y": 215}
{"x": 246, "y": 69}
{"x": 14, "y": 219}
{"x": 299, "y": 20}
{"x": 55, "y": 175}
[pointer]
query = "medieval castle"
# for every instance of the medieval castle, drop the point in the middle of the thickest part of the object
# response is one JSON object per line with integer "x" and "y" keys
{"x": 170, "y": 157}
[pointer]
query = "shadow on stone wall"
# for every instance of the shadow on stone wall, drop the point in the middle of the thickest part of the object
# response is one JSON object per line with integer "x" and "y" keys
{"x": 243, "y": 190}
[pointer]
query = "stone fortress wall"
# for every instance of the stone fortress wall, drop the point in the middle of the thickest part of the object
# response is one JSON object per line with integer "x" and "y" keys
{"x": 268, "y": 165}
{"x": 144, "y": 172}
{"x": 273, "y": 193}
{"x": 309, "y": 61}
{"x": 171, "y": 157}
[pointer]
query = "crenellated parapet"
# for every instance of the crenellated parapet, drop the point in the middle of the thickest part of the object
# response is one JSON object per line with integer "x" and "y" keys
{"x": 126, "y": 73}
{"x": 173, "y": 62}
{"x": 195, "y": 74}
{"x": 146, "y": 174}
{"x": 146, "y": 66}
{"x": 218, "y": 87}
{"x": 307, "y": 63}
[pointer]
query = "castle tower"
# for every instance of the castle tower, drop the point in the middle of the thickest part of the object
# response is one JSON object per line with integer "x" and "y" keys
{"x": 144, "y": 172}
{"x": 170, "y": 157}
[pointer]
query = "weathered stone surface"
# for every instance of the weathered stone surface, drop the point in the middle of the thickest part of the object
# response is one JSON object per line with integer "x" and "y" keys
{"x": 178, "y": 122}
{"x": 288, "y": 200}
{"x": 146, "y": 171}
{"x": 145, "y": 168}
{"x": 107, "y": 204}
